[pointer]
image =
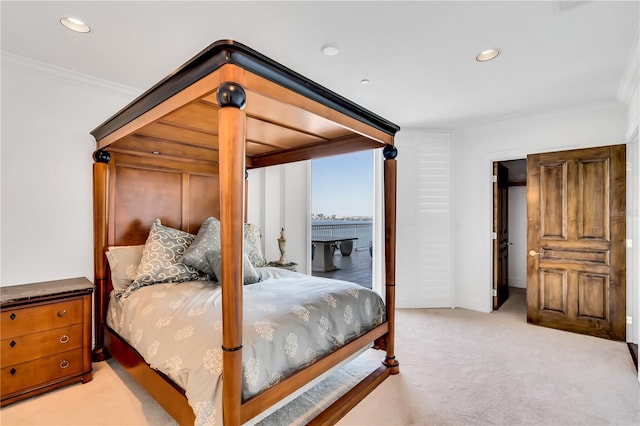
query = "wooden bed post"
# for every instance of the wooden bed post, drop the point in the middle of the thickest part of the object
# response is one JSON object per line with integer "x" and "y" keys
{"x": 390, "y": 153}
{"x": 100, "y": 227}
{"x": 231, "y": 136}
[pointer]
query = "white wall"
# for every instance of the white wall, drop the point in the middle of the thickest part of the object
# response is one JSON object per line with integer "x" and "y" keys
{"x": 476, "y": 148}
{"x": 518, "y": 236}
{"x": 46, "y": 228}
{"x": 633, "y": 235}
{"x": 629, "y": 93}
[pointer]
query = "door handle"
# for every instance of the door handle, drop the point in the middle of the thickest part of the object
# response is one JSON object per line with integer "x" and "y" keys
{"x": 534, "y": 253}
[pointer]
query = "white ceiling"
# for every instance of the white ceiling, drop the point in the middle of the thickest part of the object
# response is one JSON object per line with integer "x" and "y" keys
{"x": 419, "y": 56}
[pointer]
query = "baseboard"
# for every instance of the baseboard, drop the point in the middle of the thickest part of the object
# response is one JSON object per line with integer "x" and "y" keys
{"x": 633, "y": 349}
{"x": 518, "y": 283}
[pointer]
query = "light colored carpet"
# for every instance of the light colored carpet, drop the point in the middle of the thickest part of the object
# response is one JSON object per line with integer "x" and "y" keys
{"x": 457, "y": 367}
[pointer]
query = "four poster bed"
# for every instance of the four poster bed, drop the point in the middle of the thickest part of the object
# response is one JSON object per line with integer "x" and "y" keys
{"x": 171, "y": 163}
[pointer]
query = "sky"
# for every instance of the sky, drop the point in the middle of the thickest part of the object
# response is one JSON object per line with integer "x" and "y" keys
{"x": 343, "y": 184}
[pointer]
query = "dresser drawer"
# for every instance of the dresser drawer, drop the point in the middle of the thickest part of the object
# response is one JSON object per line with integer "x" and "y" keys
{"x": 21, "y": 321}
{"x": 37, "y": 345}
{"x": 40, "y": 371}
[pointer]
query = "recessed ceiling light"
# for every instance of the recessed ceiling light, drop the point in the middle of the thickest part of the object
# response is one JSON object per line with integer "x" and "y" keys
{"x": 75, "y": 24}
{"x": 330, "y": 49}
{"x": 487, "y": 55}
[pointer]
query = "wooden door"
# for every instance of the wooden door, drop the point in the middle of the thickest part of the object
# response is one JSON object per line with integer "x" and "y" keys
{"x": 576, "y": 204}
{"x": 501, "y": 230}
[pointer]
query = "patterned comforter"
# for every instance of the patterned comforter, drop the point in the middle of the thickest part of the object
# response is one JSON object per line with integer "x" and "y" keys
{"x": 290, "y": 320}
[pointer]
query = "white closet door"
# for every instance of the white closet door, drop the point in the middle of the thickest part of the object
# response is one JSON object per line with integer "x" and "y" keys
{"x": 424, "y": 220}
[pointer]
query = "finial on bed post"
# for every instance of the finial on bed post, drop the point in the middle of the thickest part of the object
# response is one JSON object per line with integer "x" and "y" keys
{"x": 390, "y": 153}
{"x": 231, "y": 94}
{"x": 101, "y": 156}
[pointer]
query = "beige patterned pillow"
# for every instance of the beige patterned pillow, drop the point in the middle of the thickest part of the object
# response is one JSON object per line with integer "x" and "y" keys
{"x": 123, "y": 263}
{"x": 161, "y": 260}
{"x": 252, "y": 245}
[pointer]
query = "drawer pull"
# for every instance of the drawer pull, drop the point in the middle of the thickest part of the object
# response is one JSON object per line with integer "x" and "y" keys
{"x": 62, "y": 313}
{"x": 12, "y": 316}
{"x": 64, "y": 339}
{"x": 64, "y": 363}
{"x": 13, "y": 371}
{"x": 13, "y": 343}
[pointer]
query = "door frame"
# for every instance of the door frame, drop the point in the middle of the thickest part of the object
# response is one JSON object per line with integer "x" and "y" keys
{"x": 486, "y": 215}
{"x": 633, "y": 234}
{"x": 499, "y": 197}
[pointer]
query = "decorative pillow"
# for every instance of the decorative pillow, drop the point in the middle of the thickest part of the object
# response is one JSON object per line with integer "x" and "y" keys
{"x": 161, "y": 258}
{"x": 250, "y": 276}
{"x": 252, "y": 245}
{"x": 208, "y": 239}
{"x": 124, "y": 261}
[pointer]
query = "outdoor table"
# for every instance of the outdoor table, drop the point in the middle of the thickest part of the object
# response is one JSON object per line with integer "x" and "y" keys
{"x": 325, "y": 249}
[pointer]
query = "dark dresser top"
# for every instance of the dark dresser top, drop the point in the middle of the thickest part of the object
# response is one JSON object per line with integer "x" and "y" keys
{"x": 18, "y": 294}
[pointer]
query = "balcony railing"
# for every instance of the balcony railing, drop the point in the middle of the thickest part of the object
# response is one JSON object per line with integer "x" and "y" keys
{"x": 361, "y": 231}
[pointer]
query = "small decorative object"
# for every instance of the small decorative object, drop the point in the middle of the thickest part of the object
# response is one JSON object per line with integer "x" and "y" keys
{"x": 282, "y": 245}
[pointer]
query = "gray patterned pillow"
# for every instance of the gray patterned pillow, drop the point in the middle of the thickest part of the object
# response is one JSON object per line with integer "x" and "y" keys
{"x": 252, "y": 245}
{"x": 250, "y": 274}
{"x": 208, "y": 239}
{"x": 161, "y": 258}
{"x": 123, "y": 263}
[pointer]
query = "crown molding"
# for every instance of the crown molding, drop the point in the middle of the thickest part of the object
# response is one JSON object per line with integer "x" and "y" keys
{"x": 67, "y": 75}
{"x": 541, "y": 114}
{"x": 422, "y": 132}
{"x": 629, "y": 83}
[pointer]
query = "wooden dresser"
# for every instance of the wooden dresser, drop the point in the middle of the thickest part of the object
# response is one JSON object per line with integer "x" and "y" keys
{"x": 45, "y": 334}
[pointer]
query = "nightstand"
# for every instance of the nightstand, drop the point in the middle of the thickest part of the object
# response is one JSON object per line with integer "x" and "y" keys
{"x": 290, "y": 266}
{"x": 46, "y": 337}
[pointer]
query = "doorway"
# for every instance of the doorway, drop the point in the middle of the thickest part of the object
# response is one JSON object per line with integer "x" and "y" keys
{"x": 342, "y": 193}
{"x": 510, "y": 228}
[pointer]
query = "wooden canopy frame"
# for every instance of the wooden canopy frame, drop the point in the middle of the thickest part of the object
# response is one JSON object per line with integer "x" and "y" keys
{"x": 180, "y": 152}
